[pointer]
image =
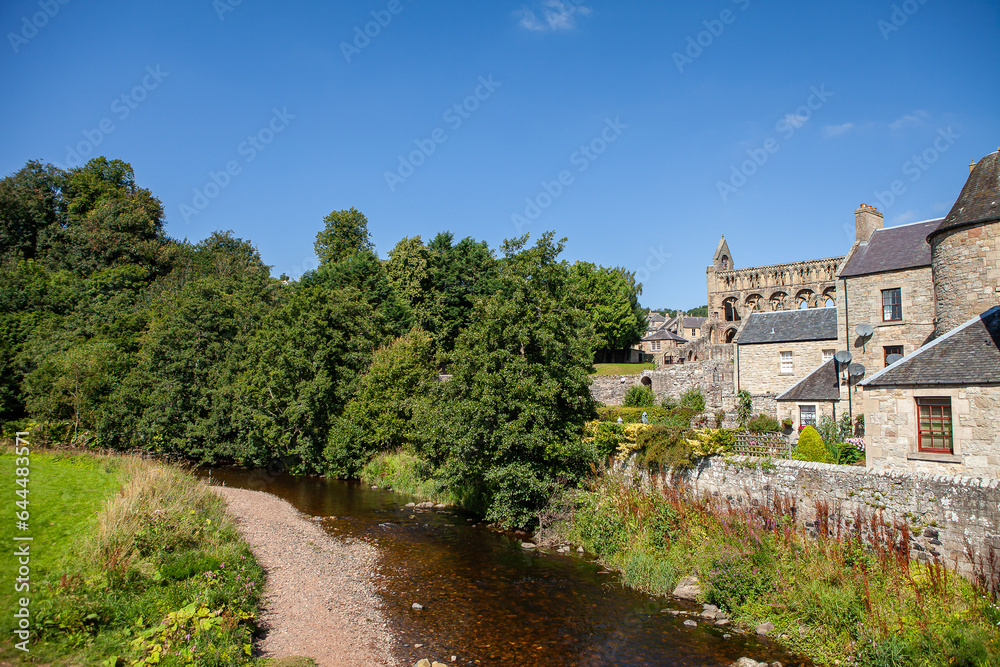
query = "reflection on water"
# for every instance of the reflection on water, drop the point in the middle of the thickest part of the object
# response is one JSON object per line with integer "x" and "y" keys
{"x": 487, "y": 601}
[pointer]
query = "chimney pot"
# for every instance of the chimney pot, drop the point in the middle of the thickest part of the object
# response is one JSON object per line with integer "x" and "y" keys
{"x": 866, "y": 220}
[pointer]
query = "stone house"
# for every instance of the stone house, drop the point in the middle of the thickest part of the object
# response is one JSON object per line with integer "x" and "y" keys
{"x": 886, "y": 284}
{"x": 661, "y": 345}
{"x": 937, "y": 408}
{"x": 686, "y": 326}
{"x": 654, "y": 322}
{"x": 812, "y": 398}
{"x": 775, "y": 350}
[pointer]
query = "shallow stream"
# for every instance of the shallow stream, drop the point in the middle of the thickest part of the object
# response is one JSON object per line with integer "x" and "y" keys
{"x": 488, "y": 601}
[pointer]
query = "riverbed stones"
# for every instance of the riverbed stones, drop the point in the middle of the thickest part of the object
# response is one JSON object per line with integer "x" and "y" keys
{"x": 748, "y": 662}
{"x": 528, "y": 545}
{"x": 709, "y": 611}
{"x": 764, "y": 629}
{"x": 690, "y": 623}
{"x": 687, "y": 589}
{"x": 416, "y": 606}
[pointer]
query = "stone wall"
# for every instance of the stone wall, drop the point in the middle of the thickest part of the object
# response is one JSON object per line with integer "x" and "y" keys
{"x": 758, "y": 366}
{"x": 966, "y": 273}
{"x": 610, "y": 389}
{"x": 943, "y": 510}
{"x": 891, "y": 430}
{"x": 864, "y": 298}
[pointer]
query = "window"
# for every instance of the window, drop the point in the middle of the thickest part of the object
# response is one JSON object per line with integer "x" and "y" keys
{"x": 807, "y": 415}
{"x": 827, "y": 355}
{"x": 892, "y": 305}
{"x": 655, "y": 345}
{"x": 786, "y": 362}
{"x": 889, "y": 350}
{"x": 934, "y": 425}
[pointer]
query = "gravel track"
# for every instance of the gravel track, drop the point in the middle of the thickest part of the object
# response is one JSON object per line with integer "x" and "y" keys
{"x": 319, "y": 598}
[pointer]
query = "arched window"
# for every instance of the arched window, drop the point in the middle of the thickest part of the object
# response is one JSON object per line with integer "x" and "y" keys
{"x": 730, "y": 335}
{"x": 731, "y": 310}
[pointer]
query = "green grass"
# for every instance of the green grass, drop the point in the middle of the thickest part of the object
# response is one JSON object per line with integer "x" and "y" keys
{"x": 830, "y": 598}
{"x": 132, "y": 562}
{"x": 622, "y": 369}
{"x": 405, "y": 472}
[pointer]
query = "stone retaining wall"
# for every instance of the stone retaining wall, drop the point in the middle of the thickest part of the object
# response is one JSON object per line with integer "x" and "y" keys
{"x": 943, "y": 510}
{"x": 610, "y": 389}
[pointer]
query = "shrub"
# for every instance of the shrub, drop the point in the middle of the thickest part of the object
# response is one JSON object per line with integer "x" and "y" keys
{"x": 744, "y": 406}
{"x": 669, "y": 403}
{"x": 735, "y": 578}
{"x": 810, "y": 446}
{"x": 693, "y": 400}
{"x": 763, "y": 422}
{"x": 608, "y": 437}
{"x": 611, "y": 413}
{"x": 720, "y": 417}
{"x": 666, "y": 447}
{"x": 639, "y": 397}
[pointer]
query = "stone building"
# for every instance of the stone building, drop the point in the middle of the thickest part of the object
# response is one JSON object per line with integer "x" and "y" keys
{"x": 686, "y": 326}
{"x": 735, "y": 293}
{"x": 886, "y": 284}
{"x": 937, "y": 409}
{"x": 775, "y": 350}
{"x": 812, "y": 398}
{"x": 661, "y": 345}
{"x": 965, "y": 253}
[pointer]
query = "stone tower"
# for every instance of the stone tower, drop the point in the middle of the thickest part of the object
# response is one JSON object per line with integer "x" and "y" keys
{"x": 722, "y": 260}
{"x": 965, "y": 249}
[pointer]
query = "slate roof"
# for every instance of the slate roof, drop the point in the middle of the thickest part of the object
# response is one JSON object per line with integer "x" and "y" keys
{"x": 967, "y": 355}
{"x": 663, "y": 334}
{"x": 655, "y": 317}
{"x": 979, "y": 201}
{"x": 786, "y": 326}
{"x": 693, "y": 322}
{"x": 823, "y": 384}
{"x": 892, "y": 249}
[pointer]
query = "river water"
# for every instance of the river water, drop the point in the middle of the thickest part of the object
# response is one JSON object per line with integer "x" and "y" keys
{"x": 488, "y": 601}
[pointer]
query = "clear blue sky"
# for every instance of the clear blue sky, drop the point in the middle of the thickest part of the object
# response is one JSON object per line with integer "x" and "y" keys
{"x": 843, "y": 94}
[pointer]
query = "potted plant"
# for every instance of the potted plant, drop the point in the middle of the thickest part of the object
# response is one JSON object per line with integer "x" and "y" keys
{"x": 786, "y": 424}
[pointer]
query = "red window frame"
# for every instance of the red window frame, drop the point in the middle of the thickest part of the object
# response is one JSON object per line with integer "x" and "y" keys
{"x": 934, "y": 425}
{"x": 892, "y": 304}
{"x": 890, "y": 349}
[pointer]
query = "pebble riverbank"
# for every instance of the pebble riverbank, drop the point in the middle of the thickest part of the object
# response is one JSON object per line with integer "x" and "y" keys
{"x": 319, "y": 599}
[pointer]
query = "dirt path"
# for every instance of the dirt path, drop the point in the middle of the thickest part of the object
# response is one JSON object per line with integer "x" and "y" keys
{"x": 319, "y": 600}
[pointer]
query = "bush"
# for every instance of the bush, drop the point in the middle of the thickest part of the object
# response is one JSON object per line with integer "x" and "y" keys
{"x": 744, "y": 406}
{"x": 666, "y": 447}
{"x": 608, "y": 437}
{"x": 736, "y": 578}
{"x": 763, "y": 422}
{"x": 693, "y": 400}
{"x": 639, "y": 397}
{"x": 720, "y": 417}
{"x": 810, "y": 446}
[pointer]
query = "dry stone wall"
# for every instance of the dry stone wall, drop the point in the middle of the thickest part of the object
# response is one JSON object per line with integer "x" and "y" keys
{"x": 941, "y": 510}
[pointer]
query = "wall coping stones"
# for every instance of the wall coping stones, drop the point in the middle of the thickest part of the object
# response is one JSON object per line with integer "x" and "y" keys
{"x": 892, "y": 473}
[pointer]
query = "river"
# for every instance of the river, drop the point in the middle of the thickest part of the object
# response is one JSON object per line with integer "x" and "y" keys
{"x": 488, "y": 601}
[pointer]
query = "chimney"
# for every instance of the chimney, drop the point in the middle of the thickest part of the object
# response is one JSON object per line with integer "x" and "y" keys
{"x": 972, "y": 165}
{"x": 866, "y": 220}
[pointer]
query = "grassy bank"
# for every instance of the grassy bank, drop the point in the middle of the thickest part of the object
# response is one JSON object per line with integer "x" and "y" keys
{"x": 406, "y": 473}
{"x": 828, "y": 597}
{"x": 132, "y": 563}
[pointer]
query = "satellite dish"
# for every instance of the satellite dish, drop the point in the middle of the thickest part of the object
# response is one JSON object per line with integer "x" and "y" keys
{"x": 865, "y": 330}
{"x": 892, "y": 358}
{"x": 843, "y": 357}
{"x": 856, "y": 369}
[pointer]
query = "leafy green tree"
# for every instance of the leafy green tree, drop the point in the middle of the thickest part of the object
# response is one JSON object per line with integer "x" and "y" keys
{"x": 408, "y": 271}
{"x": 30, "y": 209}
{"x": 346, "y": 233}
{"x": 510, "y": 424}
{"x": 305, "y": 364}
{"x": 639, "y": 397}
{"x": 610, "y": 297}
{"x": 379, "y": 416}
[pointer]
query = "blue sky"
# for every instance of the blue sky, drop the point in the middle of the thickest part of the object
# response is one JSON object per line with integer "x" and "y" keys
{"x": 642, "y": 131}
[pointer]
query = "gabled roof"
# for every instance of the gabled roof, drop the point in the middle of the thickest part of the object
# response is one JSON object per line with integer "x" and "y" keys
{"x": 823, "y": 384}
{"x": 979, "y": 201}
{"x": 967, "y": 355}
{"x": 892, "y": 249}
{"x": 786, "y": 326}
{"x": 663, "y": 334}
{"x": 655, "y": 317}
{"x": 693, "y": 322}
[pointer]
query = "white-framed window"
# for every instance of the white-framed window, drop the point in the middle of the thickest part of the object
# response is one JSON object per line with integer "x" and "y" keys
{"x": 786, "y": 363}
{"x": 807, "y": 415}
{"x": 827, "y": 355}
{"x": 655, "y": 345}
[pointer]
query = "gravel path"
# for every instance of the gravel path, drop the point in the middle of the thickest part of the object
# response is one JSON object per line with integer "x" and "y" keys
{"x": 319, "y": 599}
